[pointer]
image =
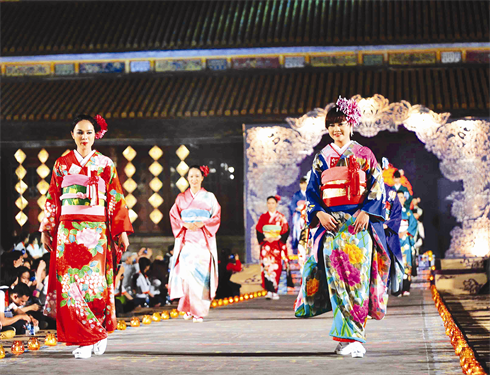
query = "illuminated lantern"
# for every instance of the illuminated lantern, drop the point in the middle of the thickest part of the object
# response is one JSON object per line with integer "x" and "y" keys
{"x": 33, "y": 344}
{"x": 225, "y": 302}
{"x": 255, "y": 295}
{"x": 147, "y": 319}
{"x": 245, "y": 297}
{"x": 18, "y": 347}
{"x": 236, "y": 299}
{"x": 174, "y": 314}
{"x": 181, "y": 313}
{"x": 230, "y": 300}
{"x": 156, "y": 317}
{"x": 165, "y": 315}
{"x": 242, "y": 299}
{"x": 220, "y": 302}
{"x": 135, "y": 322}
{"x": 214, "y": 304}
{"x": 50, "y": 339}
{"x": 251, "y": 296}
{"x": 2, "y": 352}
{"x": 121, "y": 325}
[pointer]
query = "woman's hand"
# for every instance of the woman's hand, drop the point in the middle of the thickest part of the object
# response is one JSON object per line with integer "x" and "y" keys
{"x": 46, "y": 240}
{"x": 123, "y": 241}
{"x": 327, "y": 221}
{"x": 199, "y": 224}
{"x": 362, "y": 222}
{"x": 191, "y": 226}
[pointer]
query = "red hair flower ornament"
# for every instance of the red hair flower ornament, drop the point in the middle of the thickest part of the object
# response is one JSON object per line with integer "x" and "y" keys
{"x": 103, "y": 127}
{"x": 350, "y": 109}
{"x": 278, "y": 198}
{"x": 204, "y": 170}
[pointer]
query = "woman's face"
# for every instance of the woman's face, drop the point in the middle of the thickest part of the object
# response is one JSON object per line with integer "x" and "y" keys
{"x": 19, "y": 262}
{"x": 195, "y": 178}
{"x": 340, "y": 132}
{"x": 25, "y": 277}
{"x": 84, "y": 135}
{"x": 271, "y": 205}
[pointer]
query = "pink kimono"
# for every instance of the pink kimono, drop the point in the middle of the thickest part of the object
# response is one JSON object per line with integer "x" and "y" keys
{"x": 194, "y": 271}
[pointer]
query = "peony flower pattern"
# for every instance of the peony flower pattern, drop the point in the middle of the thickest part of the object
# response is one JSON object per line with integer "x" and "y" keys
{"x": 359, "y": 313}
{"x": 344, "y": 269}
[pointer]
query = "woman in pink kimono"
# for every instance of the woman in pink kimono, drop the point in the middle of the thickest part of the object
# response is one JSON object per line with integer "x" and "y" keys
{"x": 195, "y": 218}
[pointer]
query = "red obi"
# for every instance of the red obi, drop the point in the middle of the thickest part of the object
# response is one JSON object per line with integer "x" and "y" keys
{"x": 344, "y": 185}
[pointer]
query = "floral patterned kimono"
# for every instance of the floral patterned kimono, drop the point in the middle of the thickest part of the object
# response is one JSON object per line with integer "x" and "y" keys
{"x": 84, "y": 212}
{"x": 347, "y": 272}
{"x": 409, "y": 225}
{"x": 194, "y": 270}
{"x": 272, "y": 225}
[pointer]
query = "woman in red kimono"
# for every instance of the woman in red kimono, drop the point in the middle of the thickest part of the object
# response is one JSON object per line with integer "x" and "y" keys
{"x": 272, "y": 234}
{"x": 85, "y": 216}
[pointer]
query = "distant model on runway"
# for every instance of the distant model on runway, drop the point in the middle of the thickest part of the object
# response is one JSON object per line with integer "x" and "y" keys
{"x": 407, "y": 233}
{"x": 195, "y": 218}
{"x": 85, "y": 215}
{"x": 348, "y": 269}
{"x": 272, "y": 234}
{"x": 296, "y": 207}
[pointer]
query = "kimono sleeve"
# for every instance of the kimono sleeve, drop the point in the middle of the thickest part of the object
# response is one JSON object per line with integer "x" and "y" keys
{"x": 313, "y": 192}
{"x": 374, "y": 203}
{"x": 52, "y": 207}
{"x": 175, "y": 219}
{"x": 284, "y": 230}
{"x": 212, "y": 224}
{"x": 395, "y": 216}
{"x": 118, "y": 213}
{"x": 259, "y": 228}
{"x": 412, "y": 224}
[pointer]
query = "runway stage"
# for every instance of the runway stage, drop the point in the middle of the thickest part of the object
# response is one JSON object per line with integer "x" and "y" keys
{"x": 262, "y": 337}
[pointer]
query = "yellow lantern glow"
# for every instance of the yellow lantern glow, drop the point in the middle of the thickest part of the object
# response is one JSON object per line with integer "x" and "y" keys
{"x": 242, "y": 299}
{"x": 174, "y": 314}
{"x": 121, "y": 325}
{"x": 251, "y": 296}
{"x": 181, "y": 313}
{"x": 2, "y": 352}
{"x": 17, "y": 347}
{"x": 147, "y": 319}
{"x": 50, "y": 339}
{"x": 165, "y": 315}
{"x": 236, "y": 299}
{"x": 214, "y": 304}
{"x": 230, "y": 300}
{"x": 255, "y": 294}
{"x": 33, "y": 344}
{"x": 156, "y": 317}
{"x": 220, "y": 302}
{"x": 246, "y": 297}
{"x": 135, "y": 322}
{"x": 225, "y": 302}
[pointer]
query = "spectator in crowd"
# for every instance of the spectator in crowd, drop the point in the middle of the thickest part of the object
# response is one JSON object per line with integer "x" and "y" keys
{"x": 12, "y": 259}
{"x": 124, "y": 300}
{"x": 228, "y": 265}
{"x": 35, "y": 248}
{"x": 141, "y": 283}
{"x": 10, "y": 313}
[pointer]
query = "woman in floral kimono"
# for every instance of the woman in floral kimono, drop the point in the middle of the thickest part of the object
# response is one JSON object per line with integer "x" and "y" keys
{"x": 272, "y": 234}
{"x": 195, "y": 218}
{"x": 348, "y": 269}
{"x": 85, "y": 216}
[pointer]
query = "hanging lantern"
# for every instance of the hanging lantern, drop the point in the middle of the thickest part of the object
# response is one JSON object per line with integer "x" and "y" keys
{"x": 156, "y": 317}
{"x": 17, "y": 347}
{"x": 135, "y": 322}
{"x": 33, "y": 344}
{"x": 165, "y": 315}
{"x": 121, "y": 325}
{"x": 2, "y": 352}
{"x": 147, "y": 319}
{"x": 174, "y": 314}
{"x": 50, "y": 339}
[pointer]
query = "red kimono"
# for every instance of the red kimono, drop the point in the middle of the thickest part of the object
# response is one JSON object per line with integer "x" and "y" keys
{"x": 85, "y": 212}
{"x": 274, "y": 226}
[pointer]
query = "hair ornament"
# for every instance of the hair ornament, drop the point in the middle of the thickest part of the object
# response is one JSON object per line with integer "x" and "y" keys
{"x": 278, "y": 198}
{"x": 350, "y": 109}
{"x": 103, "y": 127}
{"x": 205, "y": 170}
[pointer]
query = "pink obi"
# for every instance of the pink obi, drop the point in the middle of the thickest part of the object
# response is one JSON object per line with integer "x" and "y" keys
{"x": 94, "y": 184}
{"x": 343, "y": 185}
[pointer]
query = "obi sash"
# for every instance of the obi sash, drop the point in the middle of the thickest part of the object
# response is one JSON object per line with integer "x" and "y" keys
{"x": 194, "y": 215}
{"x": 83, "y": 196}
{"x": 271, "y": 231}
{"x": 344, "y": 185}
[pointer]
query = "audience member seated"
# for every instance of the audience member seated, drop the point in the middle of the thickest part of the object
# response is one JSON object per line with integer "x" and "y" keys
{"x": 141, "y": 283}
{"x": 228, "y": 265}
{"x": 11, "y": 316}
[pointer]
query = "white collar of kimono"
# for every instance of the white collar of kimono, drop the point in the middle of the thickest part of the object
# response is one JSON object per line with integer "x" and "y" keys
{"x": 194, "y": 195}
{"x": 340, "y": 150}
{"x": 83, "y": 160}
{"x": 273, "y": 213}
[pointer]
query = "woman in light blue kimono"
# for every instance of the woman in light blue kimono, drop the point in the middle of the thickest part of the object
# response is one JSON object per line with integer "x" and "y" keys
{"x": 349, "y": 266}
